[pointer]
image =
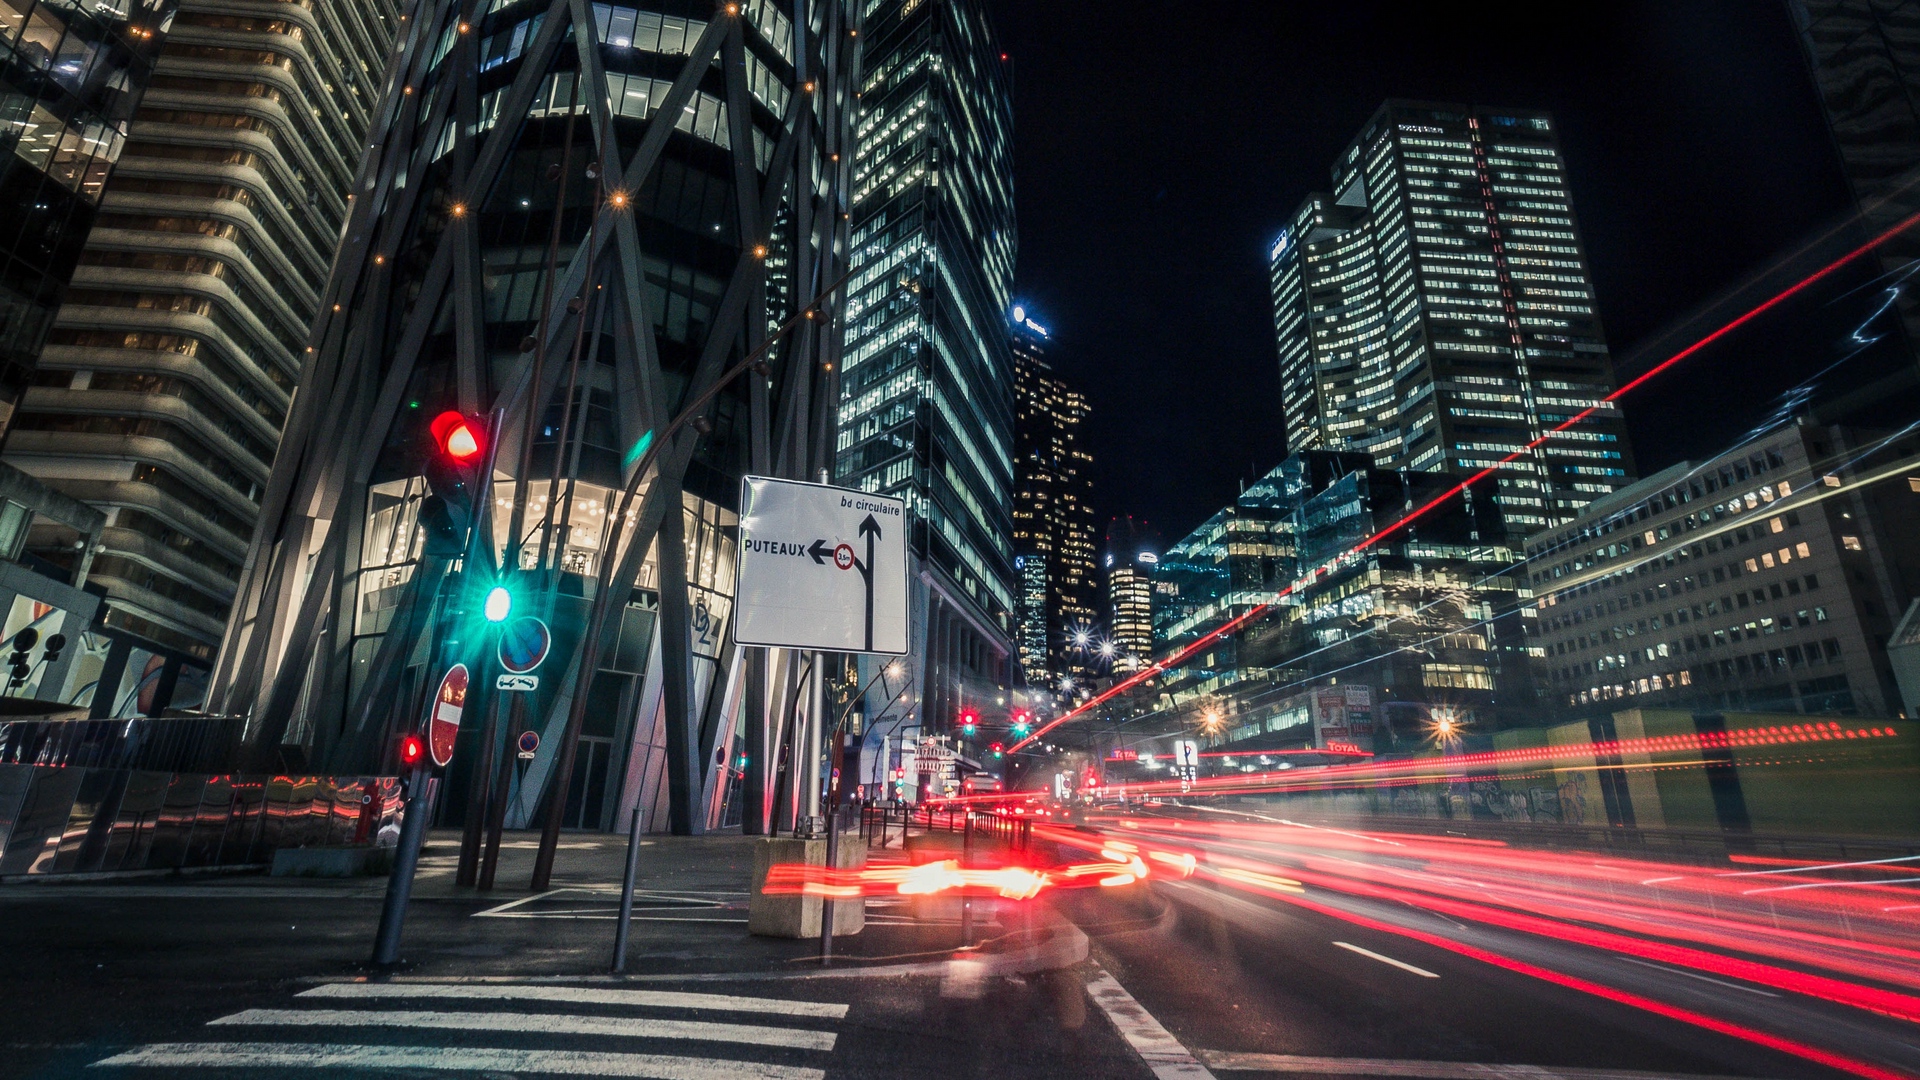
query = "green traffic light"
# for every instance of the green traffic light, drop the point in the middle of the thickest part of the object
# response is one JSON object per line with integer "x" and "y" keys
{"x": 499, "y": 604}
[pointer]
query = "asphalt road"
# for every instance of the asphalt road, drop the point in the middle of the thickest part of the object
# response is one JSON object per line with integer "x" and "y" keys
{"x": 1252, "y": 985}
{"x": 228, "y": 978}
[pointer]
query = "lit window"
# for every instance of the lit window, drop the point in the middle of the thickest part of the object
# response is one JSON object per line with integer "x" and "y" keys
{"x": 1914, "y": 482}
{"x": 1803, "y": 550}
{"x": 1830, "y": 480}
{"x": 1777, "y": 525}
{"x": 1851, "y": 543}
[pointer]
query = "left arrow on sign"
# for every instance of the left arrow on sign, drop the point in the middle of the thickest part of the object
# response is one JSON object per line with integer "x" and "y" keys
{"x": 821, "y": 551}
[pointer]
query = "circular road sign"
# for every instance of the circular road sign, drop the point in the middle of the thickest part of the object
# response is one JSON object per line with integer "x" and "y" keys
{"x": 843, "y": 556}
{"x": 524, "y": 644}
{"x": 529, "y": 742}
{"x": 448, "y": 704}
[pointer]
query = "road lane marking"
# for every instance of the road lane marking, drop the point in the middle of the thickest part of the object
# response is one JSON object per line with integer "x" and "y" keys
{"x": 1230, "y": 1061}
{"x": 450, "y": 1059}
{"x": 1696, "y": 975}
{"x": 1155, "y": 1044}
{"x": 538, "y": 1023}
{"x": 1371, "y": 955}
{"x": 580, "y": 995}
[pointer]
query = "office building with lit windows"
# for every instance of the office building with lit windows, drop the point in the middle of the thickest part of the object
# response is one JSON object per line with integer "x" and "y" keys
{"x": 166, "y": 379}
{"x": 1132, "y": 553}
{"x": 1767, "y": 579}
{"x": 927, "y": 384}
{"x": 70, "y": 78}
{"x": 1435, "y": 311}
{"x": 1052, "y": 509}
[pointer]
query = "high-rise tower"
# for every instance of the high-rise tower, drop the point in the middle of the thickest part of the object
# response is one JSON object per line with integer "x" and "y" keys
{"x": 164, "y": 384}
{"x": 583, "y": 222}
{"x": 70, "y": 78}
{"x": 1052, "y": 509}
{"x": 1436, "y": 312}
{"x": 926, "y": 405}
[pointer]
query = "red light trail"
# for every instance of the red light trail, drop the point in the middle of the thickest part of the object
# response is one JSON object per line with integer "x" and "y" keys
{"x": 1159, "y": 666}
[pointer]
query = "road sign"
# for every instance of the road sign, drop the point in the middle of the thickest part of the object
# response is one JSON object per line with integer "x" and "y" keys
{"x": 519, "y": 683}
{"x": 821, "y": 567}
{"x": 524, "y": 644}
{"x": 1186, "y": 753}
{"x": 529, "y": 743}
{"x": 448, "y": 704}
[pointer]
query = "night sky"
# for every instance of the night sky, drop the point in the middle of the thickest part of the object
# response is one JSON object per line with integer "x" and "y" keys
{"x": 1159, "y": 148}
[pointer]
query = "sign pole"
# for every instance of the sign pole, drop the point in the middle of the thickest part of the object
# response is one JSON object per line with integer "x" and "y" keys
{"x": 413, "y": 832}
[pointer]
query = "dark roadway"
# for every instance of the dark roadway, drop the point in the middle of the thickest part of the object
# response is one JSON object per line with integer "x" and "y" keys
{"x": 1248, "y": 985}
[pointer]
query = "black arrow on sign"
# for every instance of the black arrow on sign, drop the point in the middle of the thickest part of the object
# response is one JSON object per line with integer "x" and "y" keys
{"x": 871, "y": 530}
{"x": 821, "y": 551}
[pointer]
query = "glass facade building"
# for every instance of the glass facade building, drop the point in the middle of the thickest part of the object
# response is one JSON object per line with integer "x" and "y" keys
{"x": 167, "y": 376}
{"x": 1052, "y": 510}
{"x": 1435, "y": 311}
{"x": 71, "y": 76}
{"x": 927, "y": 383}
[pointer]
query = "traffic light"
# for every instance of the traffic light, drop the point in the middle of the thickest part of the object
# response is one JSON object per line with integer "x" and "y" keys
{"x": 1022, "y": 723}
{"x": 999, "y": 749}
{"x": 499, "y": 604}
{"x": 412, "y": 750}
{"x": 23, "y": 643}
{"x": 457, "y": 453}
{"x": 969, "y": 722}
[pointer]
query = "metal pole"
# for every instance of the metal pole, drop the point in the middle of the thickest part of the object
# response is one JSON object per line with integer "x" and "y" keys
{"x": 826, "y": 900}
{"x": 413, "y": 832}
{"x": 966, "y": 898}
{"x": 503, "y": 789}
{"x": 808, "y": 743}
{"x": 626, "y": 893}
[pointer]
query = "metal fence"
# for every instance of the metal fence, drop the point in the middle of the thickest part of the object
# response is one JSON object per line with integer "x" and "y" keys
{"x": 182, "y": 744}
{"x": 69, "y": 820}
{"x": 878, "y": 820}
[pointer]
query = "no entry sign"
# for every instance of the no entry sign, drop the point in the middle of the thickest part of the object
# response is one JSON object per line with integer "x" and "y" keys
{"x": 448, "y": 704}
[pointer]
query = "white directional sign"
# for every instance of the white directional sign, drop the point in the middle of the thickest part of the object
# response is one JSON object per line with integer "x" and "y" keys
{"x": 821, "y": 568}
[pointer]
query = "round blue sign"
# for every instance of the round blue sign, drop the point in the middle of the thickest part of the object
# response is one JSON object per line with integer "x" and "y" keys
{"x": 523, "y": 645}
{"x": 529, "y": 741}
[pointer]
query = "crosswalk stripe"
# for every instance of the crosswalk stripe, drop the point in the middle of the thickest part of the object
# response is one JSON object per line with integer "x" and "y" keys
{"x": 450, "y": 1059}
{"x": 539, "y": 1023}
{"x": 579, "y": 995}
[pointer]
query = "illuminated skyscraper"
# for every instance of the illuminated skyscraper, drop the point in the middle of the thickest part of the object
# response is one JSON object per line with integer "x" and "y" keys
{"x": 926, "y": 398}
{"x": 1131, "y": 557}
{"x": 1052, "y": 507}
{"x": 70, "y": 78}
{"x": 1436, "y": 312}
{"x": 165, "y": 382}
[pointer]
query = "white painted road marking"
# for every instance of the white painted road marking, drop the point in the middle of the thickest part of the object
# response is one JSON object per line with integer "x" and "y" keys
{"x": 1371, "y": 955}
{"x": 1695, "y": 975}
{"x": 450, "y": 1059}
{"x": 580, "y": 995}
{"x": 540, "y": 1024}
{"x": 1155, "y": 1044}
{"x": 1229, "y": 1061}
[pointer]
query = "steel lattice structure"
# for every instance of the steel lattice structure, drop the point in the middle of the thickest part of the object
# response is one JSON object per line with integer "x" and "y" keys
{"x": 538, "y": 120}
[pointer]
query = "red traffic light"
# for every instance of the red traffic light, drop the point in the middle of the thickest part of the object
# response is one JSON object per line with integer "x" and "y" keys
{"x": 412, "y": 749}
{"x": 457, "y": 436}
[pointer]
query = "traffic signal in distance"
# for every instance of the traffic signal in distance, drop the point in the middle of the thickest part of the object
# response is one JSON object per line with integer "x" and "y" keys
{"x": 18, "y": 667}
{"x": 998, "y": 749}
{"x": 55, "y": 643}
{"x": 412, "y": 749}
{"x": 1022, "y": 722}
{"x": 457, "y": 453}
{"x": 969, "y": 722}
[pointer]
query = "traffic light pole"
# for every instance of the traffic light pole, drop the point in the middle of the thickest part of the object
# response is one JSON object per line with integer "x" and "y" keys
{"x": 406, "y": 859}
{"x": 441, "y": 646}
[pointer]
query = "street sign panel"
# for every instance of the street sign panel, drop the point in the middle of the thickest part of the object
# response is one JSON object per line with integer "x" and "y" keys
{"x": 448, "y": 704}
{"x": 524, "y": 644}
{"x": 529, "y": 744}
{"x": 520, "y": 683}
{"x": 820, "y": 567}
